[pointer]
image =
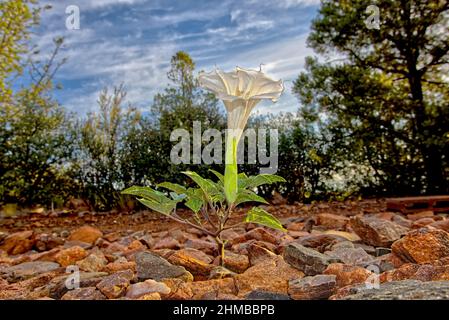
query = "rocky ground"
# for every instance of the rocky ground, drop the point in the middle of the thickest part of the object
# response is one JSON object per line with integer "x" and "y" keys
{"x": 351, "y": 250}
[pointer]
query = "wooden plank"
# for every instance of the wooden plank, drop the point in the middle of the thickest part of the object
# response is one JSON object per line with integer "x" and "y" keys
{"x": 437, "y": 203}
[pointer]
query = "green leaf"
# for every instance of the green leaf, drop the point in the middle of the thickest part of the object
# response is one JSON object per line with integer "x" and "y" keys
{"x": 195, "y": 199}
{"x": 165, "y": 208}
{"x": 173, "y": 187}
{"x": 242, "y": 180}
{"x": 211, "y": 189}
{"x": 146, "y": 193}
{"x": 248, "y": 196}
{"x": 260, "y": 216}
{"x": 255, "y": 181}
{"x": 194, "y": 204}
{"x": 218, "y": 175}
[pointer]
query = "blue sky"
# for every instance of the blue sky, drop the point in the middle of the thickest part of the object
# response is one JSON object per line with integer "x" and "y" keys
{"x": 131, "y": 41}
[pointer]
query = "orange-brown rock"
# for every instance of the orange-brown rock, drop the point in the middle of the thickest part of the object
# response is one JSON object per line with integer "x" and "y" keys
{"x": 86, "y": 234}
{"x": 272, "y": 276}
{"x": 312, "y": 288}
{"x": 259, "y": 234}
{"x": 258, "y": 254}
{"x": 70, "y": 256}
{"x": 421, "y": 272}
{"x": 181, "y": 290}
{"x": 235, "y": 262}
{"x": 377, "y": 232}
{"x": 417, "y": 224}
{"x": 207, "y": 247}
{"x": 115, "y": 285}
{"x": 196, "y": 266}
{"x": 442, "y": 224}
{"x": 167, "y": 243}
{"x": 19, "y": 242}
{"x": 347, "y": 274}
{"x": 331, "y": 221}
{"x": 119, "y": 265}
{"x": 422, "y": 245}
{"x": 420, "y": 215}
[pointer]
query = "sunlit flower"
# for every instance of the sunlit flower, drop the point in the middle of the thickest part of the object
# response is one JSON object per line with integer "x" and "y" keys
{"x": 240, "y": 90}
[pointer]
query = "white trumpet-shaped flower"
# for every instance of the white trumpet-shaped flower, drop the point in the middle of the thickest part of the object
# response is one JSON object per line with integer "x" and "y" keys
{"x": 240, "y": 90}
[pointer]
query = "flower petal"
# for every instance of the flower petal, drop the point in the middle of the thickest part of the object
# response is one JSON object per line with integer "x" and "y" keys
{"x": 212, "y": 82}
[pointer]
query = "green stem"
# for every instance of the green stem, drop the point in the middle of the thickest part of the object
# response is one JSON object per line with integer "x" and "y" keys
{"x": 231, "y": 173}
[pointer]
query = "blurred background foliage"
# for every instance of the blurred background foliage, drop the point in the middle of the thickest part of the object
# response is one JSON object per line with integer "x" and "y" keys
{"x": 374, "y": 122}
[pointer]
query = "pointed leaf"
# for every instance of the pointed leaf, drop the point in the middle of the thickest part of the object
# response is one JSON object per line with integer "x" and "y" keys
{"x": 173, "y": 187}
{"x": 248, "y": 196}
{"x": 260, "y": 216}
{"x": 261, "y": 179}
{"x": 146, "y": 193}
{"x": 218, "y": 175}
{"x": 164, "y": 208}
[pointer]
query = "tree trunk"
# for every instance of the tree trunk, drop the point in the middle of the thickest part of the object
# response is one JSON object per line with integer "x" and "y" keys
{"x": 433, "y": 161}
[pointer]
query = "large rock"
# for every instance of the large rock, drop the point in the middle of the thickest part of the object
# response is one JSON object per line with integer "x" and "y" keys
{"x": 347, "y": 274}
{"x": 192, "y": 262}
{"x": 86, "y": 234}
{"x": 273, "y": 276}
{"x": 258, "y": 254}
{"x": 397, "y": 290}
{"x": 259, "y": 234}
{"x": 152, "y": 266}
{"x": 421, "y": 272}
{"x": 210, "y": 248}
{"x": 354, "y": 256}
{"x": 70, "y": 256}
{"x": 377, "y": 232}
{"x": 312, "y": 288}
{"x": 57, "y": 287}
{"x": 93, "y": 263}
{"x": 442, "y": 224}
{"x": 331, "y": 221}
{"x": 19, "y": 242}
{"x": 115, "y": 285}
{"x": 320, "y": 242}
{"x": 422, "y": 245}
{"x": 307, "y": 260}
{"x": 235, "y": 262}
{"x": 28, "y": 270}
{"x": 140, "y": 289}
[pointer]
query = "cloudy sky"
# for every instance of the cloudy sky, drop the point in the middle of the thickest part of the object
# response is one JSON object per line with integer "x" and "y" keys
{"x": 131, "y": 41}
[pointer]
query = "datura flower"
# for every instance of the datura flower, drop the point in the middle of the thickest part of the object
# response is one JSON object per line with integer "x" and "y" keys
{"x": 240, "y": 90}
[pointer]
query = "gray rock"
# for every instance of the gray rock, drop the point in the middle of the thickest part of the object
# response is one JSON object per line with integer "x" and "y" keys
{"x": 58, "y": 287}
{"x": 312, "y": 288}
{"x": 28, "y": 270}
{"x": 399, "y": 290}
{"x": 352, "y": 256}
{"x": 382, "y": 251}
{"x": 266, "y": 295}
{"x": 152, "y": 266}
{"x": 307, "y": 260}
